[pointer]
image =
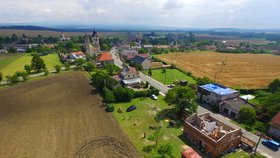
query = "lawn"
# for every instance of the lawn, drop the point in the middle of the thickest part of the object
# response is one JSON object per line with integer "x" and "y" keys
{"x": 170, "y": 76}
{"x": 242, "y": 154}
{"x": 6, "y": 59}
{"x": 150, "y": 113}
{"x": 18, "y": 64}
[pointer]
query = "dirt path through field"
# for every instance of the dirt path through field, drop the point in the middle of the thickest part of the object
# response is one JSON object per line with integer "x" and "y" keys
{"x": 58, "y": 117}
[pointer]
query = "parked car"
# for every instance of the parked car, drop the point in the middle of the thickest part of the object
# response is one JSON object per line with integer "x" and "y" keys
{"x": 271, "y": 144}
{"x": 171, "y": 86}
{"x": 131, "y": 108}
{"x": 154, "y": 97}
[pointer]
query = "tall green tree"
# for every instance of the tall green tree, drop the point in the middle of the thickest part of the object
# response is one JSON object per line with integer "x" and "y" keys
{"x": 28, "y": 69}
{"x": 183, "y": 98}
{"x": 89, "y": 67}
{"x": 37, "y": 63}
{"x": 79, "y": 62}
{"x": 271, "y": 104}
{"x": 156, "y": 136}
{"x": 150, "y": 73}
{"x": 274, "y": 86}
{"x": 165, "y": 150}
{"x": 247, "y": 115}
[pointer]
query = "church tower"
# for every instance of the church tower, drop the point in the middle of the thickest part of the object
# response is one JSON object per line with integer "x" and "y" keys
{"x": 95, "y": 40}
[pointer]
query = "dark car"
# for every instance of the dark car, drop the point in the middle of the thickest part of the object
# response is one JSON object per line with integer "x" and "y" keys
{"x": 131, "y": 108}
{"x": 271, "y": 144}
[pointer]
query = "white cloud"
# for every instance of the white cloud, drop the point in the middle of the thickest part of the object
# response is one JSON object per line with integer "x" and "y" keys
{"x": 187, "y": 13}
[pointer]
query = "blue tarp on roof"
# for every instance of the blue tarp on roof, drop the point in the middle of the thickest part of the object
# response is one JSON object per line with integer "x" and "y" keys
{"x": 218, "y": 89}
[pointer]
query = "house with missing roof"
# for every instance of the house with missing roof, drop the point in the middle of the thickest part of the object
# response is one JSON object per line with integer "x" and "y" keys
{"x": 228, "y": 100}
{"x": 211, "y": 134}
{"x": 274, "y": 128}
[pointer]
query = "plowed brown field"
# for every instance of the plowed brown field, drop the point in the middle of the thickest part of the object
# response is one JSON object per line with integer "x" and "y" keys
{"x": 238, "y": 70}
{"x": 59, "y": 117}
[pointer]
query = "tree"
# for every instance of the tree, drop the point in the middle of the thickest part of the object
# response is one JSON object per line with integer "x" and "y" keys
{"x": 105, "y": 46}
{"x": 274, "y": 86}
{"x": 111, "y": 68}
{"x": 79, "y": 62}
{"x": 12, "y": 80}
{"x": 247, "y": 115}
{"x": 203, "y": 81}
{"x": 123, "y": 94}
{"x": 57, "y": 68}
{"x": 271, "y": 104}
{"x": 163, "y": 70}
{"x": 108, "y": 95}
{"x": 88, "y": 67}
{"x": 28, "y": 69}
{"x": 183, "y": 98}
{"x": 150, "y": 72}
{"x": 67, "y": 66}
{"x": 98, "y": 80}
{"x": 143, "y": 51}
{"x": 156, "y": 136}
{"x": 1, "y": 76}
{"x": 165, "y": 149}
{"x": 37, "y": 63}
{"x": 12, "y": 50}
{"x": 22, "y": 74}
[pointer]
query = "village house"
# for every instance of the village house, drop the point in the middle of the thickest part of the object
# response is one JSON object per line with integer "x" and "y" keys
{"x": 144, "y": 60}
{"x": 106, "y": 58}
{"x": 211, "y": 134}
{"x": 128, "y": 54}
{"x": 130, "y": 77}
{"x": 228, "y": 100}
{"x": 232, "y": 106}
{"x": 77, "y": 55}
{"x": 274, "y": 128}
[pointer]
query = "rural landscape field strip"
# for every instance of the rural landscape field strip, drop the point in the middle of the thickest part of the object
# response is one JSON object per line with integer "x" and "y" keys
{"x": 6, "y": 59}
{"x": 234, "y": 70}
{"x": 18, "y": 64}
{"x": 59, "y": 116}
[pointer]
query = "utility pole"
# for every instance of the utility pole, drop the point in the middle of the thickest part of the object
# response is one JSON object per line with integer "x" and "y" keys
{"x": 257, "y": 146}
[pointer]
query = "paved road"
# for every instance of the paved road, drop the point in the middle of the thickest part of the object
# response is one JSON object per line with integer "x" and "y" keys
{"x": 164, "y": 89}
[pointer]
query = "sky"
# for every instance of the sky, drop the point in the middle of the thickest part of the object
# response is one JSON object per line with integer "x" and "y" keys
{"x": 250, "y": 14}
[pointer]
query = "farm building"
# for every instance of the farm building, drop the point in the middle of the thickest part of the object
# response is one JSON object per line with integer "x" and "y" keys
{"x": 106, "y": 58}
{"x": 211, "y": 134}
{"x": 232, "y": 106}
{"x": 274, "y": 129}
{"x": 215, "y": 93}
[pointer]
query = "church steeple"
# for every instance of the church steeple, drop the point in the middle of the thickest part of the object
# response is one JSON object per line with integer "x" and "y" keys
{"x": 94, "y": 33}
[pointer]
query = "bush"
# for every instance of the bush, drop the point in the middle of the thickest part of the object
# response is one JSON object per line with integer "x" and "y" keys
{"x": 46, "y": 72}
{"x": 57, "y": 68}
{"x": 1, "y": 77}
{"x": 27, "y": 68}
{"x": 88, "y": 67}
{"x": 110, "y": 108}
{"x": 12, "y": 80}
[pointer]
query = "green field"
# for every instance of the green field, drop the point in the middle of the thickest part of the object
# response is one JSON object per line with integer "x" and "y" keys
{"x": 150, "y": 113}
{"x": 16, "y": 63}
{"x": 170, "y": 76}
{"x": 6, "y": 59}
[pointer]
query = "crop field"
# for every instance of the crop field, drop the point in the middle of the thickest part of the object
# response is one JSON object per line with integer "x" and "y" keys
{"x": 17, "y": 62}
{"x": 59, "y": 116}
{"x": 234, "y": 70}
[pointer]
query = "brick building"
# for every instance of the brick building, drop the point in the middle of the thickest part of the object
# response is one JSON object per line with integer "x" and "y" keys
{"x": 211, "y": 134}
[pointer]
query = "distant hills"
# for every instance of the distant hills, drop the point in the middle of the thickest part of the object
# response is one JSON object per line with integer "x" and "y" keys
{"x": 132, "y": 28}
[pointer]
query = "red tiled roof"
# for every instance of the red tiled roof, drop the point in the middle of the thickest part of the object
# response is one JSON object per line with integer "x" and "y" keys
{"x": 106, "y": 57}
{"x": 78, "y": 53}
{"x": 143, "y": 55}
{"x": 276, "y": 120}
{"x": 130, "y": 56}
